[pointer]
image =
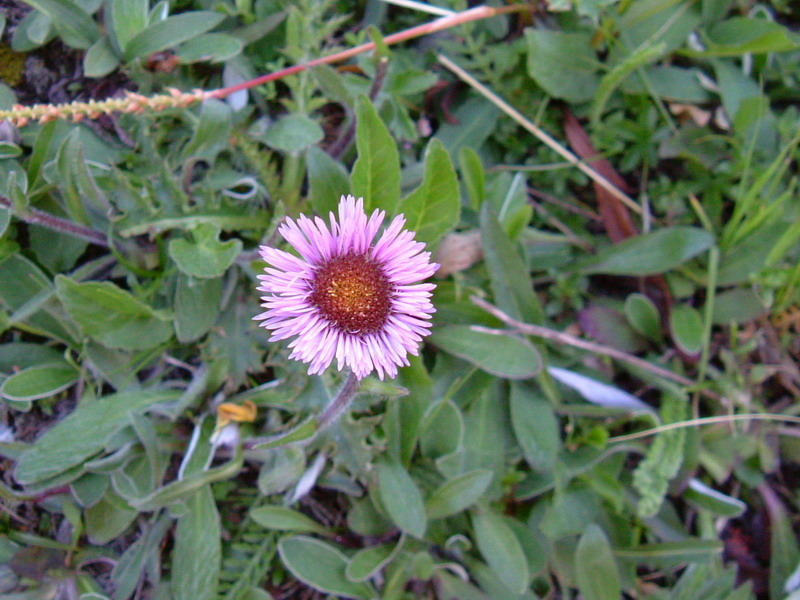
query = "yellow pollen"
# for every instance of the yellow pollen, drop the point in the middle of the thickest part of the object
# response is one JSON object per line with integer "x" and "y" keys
{"x": 352, "y": 293}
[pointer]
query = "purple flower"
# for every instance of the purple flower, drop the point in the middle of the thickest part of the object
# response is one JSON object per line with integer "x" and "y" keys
{"x": 345, "y": 297}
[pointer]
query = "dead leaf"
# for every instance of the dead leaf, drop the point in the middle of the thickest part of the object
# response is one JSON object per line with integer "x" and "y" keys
{"x": 458, "y": 251}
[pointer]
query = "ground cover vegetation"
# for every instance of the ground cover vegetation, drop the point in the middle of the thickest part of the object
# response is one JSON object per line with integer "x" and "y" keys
{"x": 605, "y": 406}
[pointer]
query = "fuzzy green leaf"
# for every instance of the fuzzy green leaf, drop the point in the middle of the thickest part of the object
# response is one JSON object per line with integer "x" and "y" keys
{"x": 434, "y": 207}
{"x": 502, "y": 355}
{"x": 320, "y": 566}
{"x": 402, "y": 499}
{"x": 327, "y": 181}
{"x": 509, "y": 279}
{"x": 598, "y": 577}
{"x": 38, "y": 382}
{"x": 501, "y": 550}
{"x": 376, "y": 173}
{"x": 170, "y": 32}
{"x": 198, "y": 549}
{"x": 650, "y": 253}
{"x": 112, "y": 316}
{"x": 205, "y": 256}
{"x": 82, "y": 434}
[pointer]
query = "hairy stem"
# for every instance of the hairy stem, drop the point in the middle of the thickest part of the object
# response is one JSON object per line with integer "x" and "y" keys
{"x": 34, "y": 216}
{"x": 339, "y": 404}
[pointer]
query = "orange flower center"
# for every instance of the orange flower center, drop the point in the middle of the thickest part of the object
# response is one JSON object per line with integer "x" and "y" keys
{"x": 352, "y": 292}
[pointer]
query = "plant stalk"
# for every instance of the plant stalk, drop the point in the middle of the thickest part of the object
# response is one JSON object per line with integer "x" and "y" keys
{"x": 339, "y": 404}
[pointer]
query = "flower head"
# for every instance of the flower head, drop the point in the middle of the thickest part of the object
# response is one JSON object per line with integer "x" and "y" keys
{"x": 346, "y": 297}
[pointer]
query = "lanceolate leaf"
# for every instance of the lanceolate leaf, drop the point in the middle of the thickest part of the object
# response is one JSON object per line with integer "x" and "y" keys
{"x": 327, "y": 181}
{"x": 501, "y": 549}
{"x": 76, "y": 26}
{"x": 170, "y": 32}
{"x": 598, "y": 578}
{"x": 402, "y": 498}
{"x": 503, "y": 355}
{"x": 111, "y": 315}
{"x": 650, "y": 253}
{"x": 197, "y": 553}
{"x": 82, "y": 434}
{"x": 434, "y": 207}
{"x": 376, "y": 173}
{"x": 535, "y": 426}
{"x": 510, "y": 281}
{"x": 321, "y": 566}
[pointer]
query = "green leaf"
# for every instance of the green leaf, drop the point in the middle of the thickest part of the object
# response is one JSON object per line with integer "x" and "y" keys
{"x": 198, "y": 549}
{"x": 20, "y": 355}
{"x": 458, "y": 493}
{"x": 476, "y": 120}
{"x": 212, "y": 133}
{"x": 281, "y": 468}
{"x": 737, "y": 306}
{"x": 443, "y": 430}
{"x": 509, "y": 196}
{"x": 8, "y": 150}
{"x": 170, "y": 32}
{"x": 663, "y": 460}
{"x": 181, "y": 489}
{"x": 611, "y": 80}
{"x": 472, "y": 175}
{"x": 293, "y": 133}
{"x": 129, "y": 569}
{"x": 38, "y": 382}
{"x": 596, "y": 569}
{"x": 320, "y": 566}
{"x": 501, "y": 550}
{"x": 368, "y": 561}
{"x": 535, "y": 427}
{"x": 5, "y": 219}
{"x": 211, "y": 47}
{"x": 108, "y": 518}
{"x": 327, "y": 181}
{"x": 434, "y": 207}
{"x": 562, "y": 63}
{"x": 285, "y": 519}
{"x": 196, "y": 306}
{"x": 376, "y": 172}
{"x": 100, "y": 59}
{"x": 502, "y": 355}
{"x": 127, "y": 18}
{"x": 226, "y": 222}
{"x": 742, "y": 35}
{"x": 686, "y": 327}
{"x": 783, "y": 547}
{"x": 76, "y": 26}
{"x": 83, "y": 433}
{"x": 401, "y": 498}
{"x": 650, "y": 253}
{"x": 703, "y": 496}
{"x": 111, "y": 315}
{"x": 205, "y": 256}
{"x": 301, "y": 432}
{"x": 510, "y": 281}
{"x": 643, "y": 316}
{"x": 30, "y": 299}
{"x": 672, "y": 554}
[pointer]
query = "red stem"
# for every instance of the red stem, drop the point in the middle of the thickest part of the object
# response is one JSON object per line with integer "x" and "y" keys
{"x": 473, "y": 14}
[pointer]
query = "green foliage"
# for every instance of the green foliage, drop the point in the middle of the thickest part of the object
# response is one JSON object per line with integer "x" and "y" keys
{"x": 663, "y": 460}
{"x": 499, "y": 463}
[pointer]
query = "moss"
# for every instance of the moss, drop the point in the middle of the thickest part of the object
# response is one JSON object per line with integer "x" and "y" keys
{"x": 12, "y": 65}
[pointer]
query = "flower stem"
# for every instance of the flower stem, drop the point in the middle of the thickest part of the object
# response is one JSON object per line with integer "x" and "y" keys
{"x": 339, "y": 404}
